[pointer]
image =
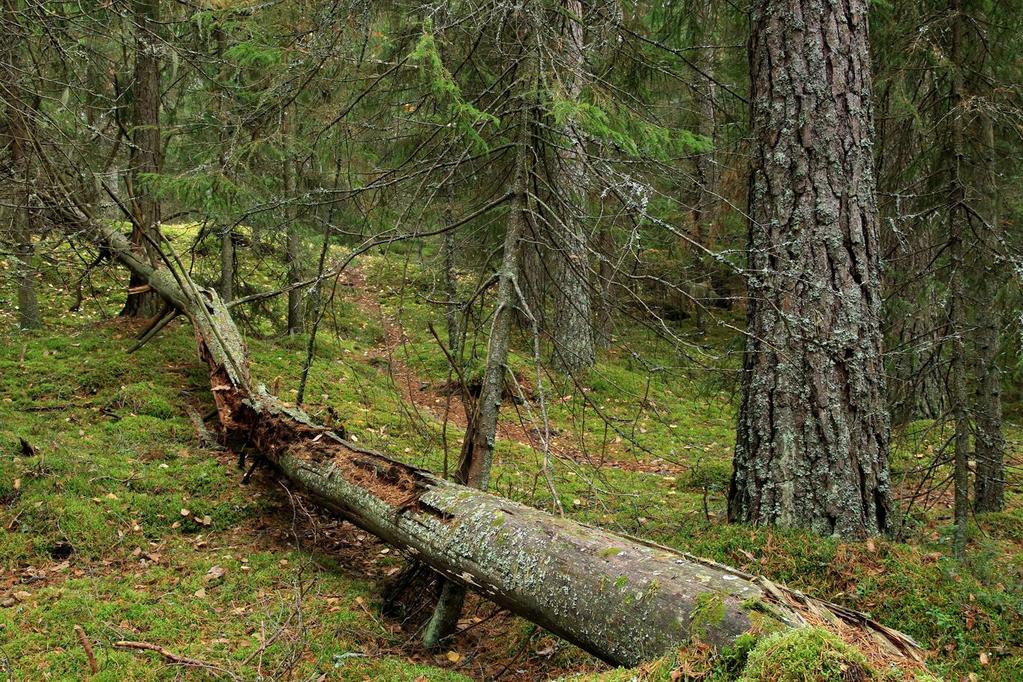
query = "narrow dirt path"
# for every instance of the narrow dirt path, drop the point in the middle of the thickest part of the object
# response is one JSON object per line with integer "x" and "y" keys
{"x": 423, "y": 397}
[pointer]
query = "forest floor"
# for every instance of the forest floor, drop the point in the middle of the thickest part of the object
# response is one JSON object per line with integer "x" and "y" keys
{"x": 119, "y": 516}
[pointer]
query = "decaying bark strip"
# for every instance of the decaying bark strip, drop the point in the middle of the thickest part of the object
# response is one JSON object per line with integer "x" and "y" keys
{"x": 622, "y": 599}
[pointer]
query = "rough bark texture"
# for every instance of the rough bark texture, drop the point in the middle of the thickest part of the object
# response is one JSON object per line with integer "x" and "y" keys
{"x": 146, "y": 153}
{"x": 813, "y": 431}
{"x": 573, "y": 332}
{"x": 990, "y": 439}
{"x": 619, "y": 598}
{"x": 18, "y": 123}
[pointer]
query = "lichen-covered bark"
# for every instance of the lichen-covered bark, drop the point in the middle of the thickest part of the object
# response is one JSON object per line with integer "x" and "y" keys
{"x": 812, "y": 443}
{"x": 146, "y": 153}
{"x": 619, "y": 598}
{"x": 573, "y": 333}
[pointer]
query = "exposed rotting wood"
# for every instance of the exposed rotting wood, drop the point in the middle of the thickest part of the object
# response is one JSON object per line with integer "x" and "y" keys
{"x": 622, "y": 599}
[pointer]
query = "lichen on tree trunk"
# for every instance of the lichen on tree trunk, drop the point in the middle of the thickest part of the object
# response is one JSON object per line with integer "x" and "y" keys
{"x": 813, "y": 430}
{"x": 573, "y": 332}
{"x": 622, "y": 599}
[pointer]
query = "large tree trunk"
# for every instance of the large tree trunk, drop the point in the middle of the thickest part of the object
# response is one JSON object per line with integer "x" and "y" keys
{"x": 619, "y": 598}
{"x": 986, "y": 267}
{"x": 573, "y": 332}
{"x": 812, "y": 444}
{"x": 18, "y": 123}
{"x": 146, "y": 153}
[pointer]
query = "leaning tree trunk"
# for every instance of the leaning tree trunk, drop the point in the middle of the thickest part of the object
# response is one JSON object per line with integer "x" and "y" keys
{"x": 621, "y": 599}
{"x": 18, "y": 123}
{"x": 146, "y": 153}
{"x": 812, "y": 443}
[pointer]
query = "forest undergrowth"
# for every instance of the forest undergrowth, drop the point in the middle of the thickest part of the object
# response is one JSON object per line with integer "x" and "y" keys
{"x": 124, "y": 524}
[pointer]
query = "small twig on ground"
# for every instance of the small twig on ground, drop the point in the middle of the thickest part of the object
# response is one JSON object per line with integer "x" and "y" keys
{"x": 172, "y": 657}
{"x": 169, "y": 655}
{"x": 84, "y": 639}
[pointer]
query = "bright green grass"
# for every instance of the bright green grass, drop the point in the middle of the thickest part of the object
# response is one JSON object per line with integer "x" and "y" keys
{"x": 115, "y": 463}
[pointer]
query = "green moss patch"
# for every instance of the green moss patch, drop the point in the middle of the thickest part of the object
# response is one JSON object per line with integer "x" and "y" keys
{"x": 805, "y": 655}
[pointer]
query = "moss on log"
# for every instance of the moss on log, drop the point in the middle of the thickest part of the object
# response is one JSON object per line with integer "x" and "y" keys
{"x": 622, "y": 599}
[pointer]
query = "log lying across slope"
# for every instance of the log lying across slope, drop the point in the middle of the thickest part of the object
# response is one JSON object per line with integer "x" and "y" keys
{"x": 619, "y": 598}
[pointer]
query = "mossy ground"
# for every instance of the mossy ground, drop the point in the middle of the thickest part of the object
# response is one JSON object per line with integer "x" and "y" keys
{"x": 93, "y": 533}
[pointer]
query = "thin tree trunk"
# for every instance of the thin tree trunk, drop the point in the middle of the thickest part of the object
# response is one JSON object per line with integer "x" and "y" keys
{"x": 706, "y": 173}
{"x": 481, "y": 434}
{"x": 296, "y": 318}
{"x": 573, "y": 335}
{"x": 957, "y": 219}
{"x": 146, "y": 153}
{"x": 226, "y": 285}
{"x": 957, "y": 385}
{"x": 989, "y": 439}
{"x": 18, "y": 123}
{"x": 451, "y": 308}
{"x": 813, "y": 430}
{"x": 604, "y": 327}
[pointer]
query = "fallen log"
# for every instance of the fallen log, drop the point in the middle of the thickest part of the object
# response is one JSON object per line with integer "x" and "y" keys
{"x": 620, "y": 598}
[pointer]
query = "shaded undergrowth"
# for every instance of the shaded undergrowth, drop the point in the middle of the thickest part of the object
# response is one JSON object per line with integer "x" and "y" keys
{"x": 118, "y": 518}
